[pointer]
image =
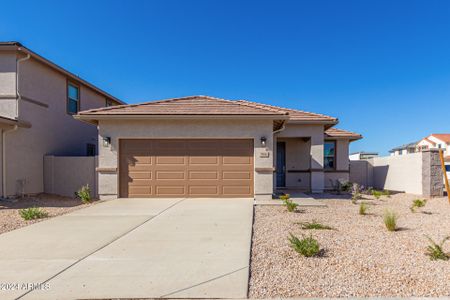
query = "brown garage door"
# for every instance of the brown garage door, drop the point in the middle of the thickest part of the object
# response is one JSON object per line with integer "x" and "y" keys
{"x": 186, "y": 168}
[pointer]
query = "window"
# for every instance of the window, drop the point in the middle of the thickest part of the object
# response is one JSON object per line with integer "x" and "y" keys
{"x": 329, "y": 155}
{"x": 90, "y": 149}
{"x": 424, "y": 147}
{"x": 73, "y": 98}
{"x": 109, "y": 102}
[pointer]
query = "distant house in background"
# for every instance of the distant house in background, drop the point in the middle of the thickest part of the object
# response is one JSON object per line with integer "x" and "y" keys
{"x": 403, "y": 149}
{"x": 362, "y": 155}
{"x": 436, "y": 141}
{"x": 37, "y": 102}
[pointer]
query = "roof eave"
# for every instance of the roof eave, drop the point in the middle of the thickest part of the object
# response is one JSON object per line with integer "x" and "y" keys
{"x": 93, "y": 118}
{"x": 15, "y": 46}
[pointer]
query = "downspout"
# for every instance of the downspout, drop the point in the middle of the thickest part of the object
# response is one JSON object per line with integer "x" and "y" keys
{"x": 18, "y": 96}
{"x": 4, "y": 132}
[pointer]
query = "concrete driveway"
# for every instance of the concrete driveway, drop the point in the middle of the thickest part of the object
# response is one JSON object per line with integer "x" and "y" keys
{"x": 132, "y": 248}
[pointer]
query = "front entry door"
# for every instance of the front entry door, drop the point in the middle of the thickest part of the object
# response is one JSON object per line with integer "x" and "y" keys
{"x": 281, "y": 164}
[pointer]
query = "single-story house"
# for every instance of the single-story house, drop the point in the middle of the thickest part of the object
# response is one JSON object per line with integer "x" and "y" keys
{"x": 201, "y": 146}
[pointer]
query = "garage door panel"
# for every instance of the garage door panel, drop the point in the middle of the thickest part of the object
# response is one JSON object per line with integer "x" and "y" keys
{"x": 164, "y": 175}
{"x": 186, "y": 168}
{"x": 204, "y": 160}
{"x": 203, "y": 190}
{"x": 170, "y": 160}
{"x": 236, "y": 175}
{"x": 237, "y": 160}
{"x": 235, "y": 190}
{"x": 169, "y": 190}
{"x": 203, "y": 175}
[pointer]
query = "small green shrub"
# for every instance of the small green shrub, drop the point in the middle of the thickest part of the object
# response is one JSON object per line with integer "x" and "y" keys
{"x": 290, "y": 205}
{"x": 307, "y": 247}
{"x": 84, "y": 193}
{"x": 417, "y": 203}
{"x": 315, "y": 225}
{"x": 33, "y": 213}
{"x": 390, "y": 220}
{"x": 377, "y": 194}
{"x": 363, "y": 208}
{"x": 386, "y": 193}
{"x": 285, "y": 197}
{"x": 436, "y": 251}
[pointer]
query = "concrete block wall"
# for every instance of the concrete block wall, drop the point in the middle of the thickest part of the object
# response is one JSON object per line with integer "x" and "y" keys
{"x": 416, "y": 173}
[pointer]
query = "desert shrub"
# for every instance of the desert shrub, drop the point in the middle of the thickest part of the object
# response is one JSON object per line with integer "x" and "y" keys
{"x": 436, "y": 251}
{"x": 417, "y": 203}
{"x": 386, "y": 193}
{"x": 377, "y": 194}
{"x": 84, "y": 193}
{"x": 315, "y": 225}
{"x": 307, "y": 246}
{"x": 33, "y": 213}
{"x": 363, "y": 208}
{"x": 285, "y": 197}
{"x": 340, "y": 185}
{"x": 356, "y": 193}
{"x": 390, "y": 220}
{"x": 290, "y": 205}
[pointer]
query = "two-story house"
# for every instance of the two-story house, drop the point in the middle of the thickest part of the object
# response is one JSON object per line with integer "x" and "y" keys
{"x": 37, "y": 102}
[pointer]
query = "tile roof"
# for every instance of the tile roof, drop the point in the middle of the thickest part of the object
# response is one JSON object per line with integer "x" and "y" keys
{"x": 206, "y": 105}
{"x": 191, "y": 105}
{"x": 445, "y": 137}
{"x": 294, "y": 114}
{"x": 335, "y": 132}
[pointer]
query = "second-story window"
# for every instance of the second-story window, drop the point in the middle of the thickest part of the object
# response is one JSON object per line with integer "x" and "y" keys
{"x": 73, "y": 98}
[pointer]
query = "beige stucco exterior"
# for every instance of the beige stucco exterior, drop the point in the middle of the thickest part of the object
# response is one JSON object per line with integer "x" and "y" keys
{"x": 226, "y": 129}
{"x": 43, "y": 106}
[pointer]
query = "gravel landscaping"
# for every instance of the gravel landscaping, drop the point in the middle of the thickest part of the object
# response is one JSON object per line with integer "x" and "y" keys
{"x": 54, "y": 205}
{"x": 360, "y": 258}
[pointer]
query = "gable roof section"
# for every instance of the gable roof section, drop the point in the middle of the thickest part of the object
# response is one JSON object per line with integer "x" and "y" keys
{"x": 341, "y": 133}
{"x": 445, "y": 137}
{"x": 16, "y": 46}
{"x": 294, "y": 114}
{"x": 191, "y": 105}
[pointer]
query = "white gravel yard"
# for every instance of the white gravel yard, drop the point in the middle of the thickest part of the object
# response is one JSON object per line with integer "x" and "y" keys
{"x": 361, "y": 257}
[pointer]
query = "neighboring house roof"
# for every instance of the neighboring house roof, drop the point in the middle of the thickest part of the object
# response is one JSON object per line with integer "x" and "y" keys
{"x": 405, "y": 146}
{"x": 445, "y": 137}
{"x": 430, "y": 141}
{"x": 340, "y": 133}
{"x": 364, "y": 153}
{"x": 16, "y": 46}
{"x": 11, "y": 121}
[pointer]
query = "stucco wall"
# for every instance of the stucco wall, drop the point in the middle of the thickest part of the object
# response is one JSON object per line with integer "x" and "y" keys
{"x": 255, "y": 129}
{"x": 298, "y": 158}
{"x": 8, "y": 84}
{"x": 53, "y": 131}
{"x": 64, "y": 175}
{"x": 398, "y": 173}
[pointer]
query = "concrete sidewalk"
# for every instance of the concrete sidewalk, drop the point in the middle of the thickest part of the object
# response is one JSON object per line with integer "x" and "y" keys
{"x": 134, "y": 248}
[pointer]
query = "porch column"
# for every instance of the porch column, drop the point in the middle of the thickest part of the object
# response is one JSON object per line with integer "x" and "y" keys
{"x": 316, "y": 153}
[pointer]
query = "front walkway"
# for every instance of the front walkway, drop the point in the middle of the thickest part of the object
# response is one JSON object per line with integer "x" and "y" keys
{"x": 133, "y": 248}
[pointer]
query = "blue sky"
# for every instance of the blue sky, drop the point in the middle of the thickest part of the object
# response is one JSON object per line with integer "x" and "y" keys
{"x": 381, "y": 67}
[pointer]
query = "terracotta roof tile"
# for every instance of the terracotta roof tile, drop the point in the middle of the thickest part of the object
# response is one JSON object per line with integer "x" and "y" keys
{"x": 192, "y": 105}
{"x": 335, "y": 132}
{"x": 294, "y": 114}
{"x": 445, "y": 137}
